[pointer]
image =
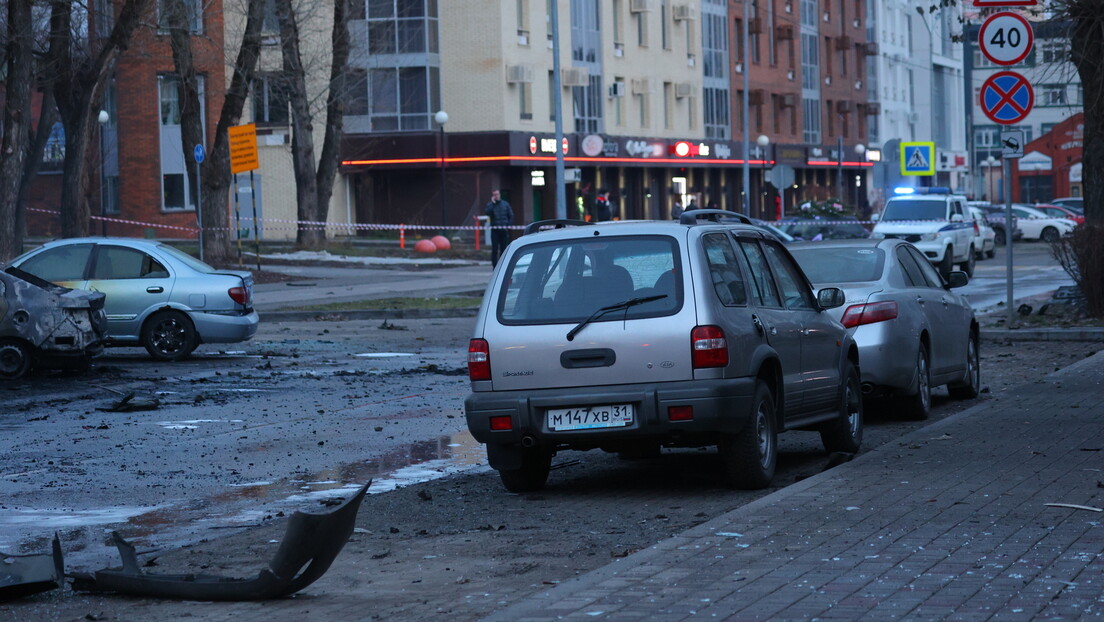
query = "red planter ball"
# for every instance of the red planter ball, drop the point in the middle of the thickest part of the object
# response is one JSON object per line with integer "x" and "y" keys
{"x": 441, "y": 242}
{"x": 425, "y": 246}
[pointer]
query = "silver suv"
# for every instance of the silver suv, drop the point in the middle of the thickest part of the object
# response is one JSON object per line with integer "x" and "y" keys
{"x": 631, "y": 336}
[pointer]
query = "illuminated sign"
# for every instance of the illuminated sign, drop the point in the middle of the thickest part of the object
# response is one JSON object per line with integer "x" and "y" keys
{"x": 685, "y": 149}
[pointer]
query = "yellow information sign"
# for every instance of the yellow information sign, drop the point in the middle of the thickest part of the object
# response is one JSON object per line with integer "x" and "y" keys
{"x": 243, "y": 149}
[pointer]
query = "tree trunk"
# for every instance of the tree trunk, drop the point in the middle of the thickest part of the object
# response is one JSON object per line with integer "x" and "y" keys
{"x": 78, "y": 88}
{"x": 307, "y": 236}
{"x": 47, "y": 116}
{"x": 17, "y": 122}
{"x": 335, "y": 105}
{"x": 1087, "y": 54}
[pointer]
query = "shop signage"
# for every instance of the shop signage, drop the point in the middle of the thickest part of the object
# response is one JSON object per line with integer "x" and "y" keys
{"x": 722, "y": 151}
{"x": 592, "y": 145}
{"x": 645, "y": 148}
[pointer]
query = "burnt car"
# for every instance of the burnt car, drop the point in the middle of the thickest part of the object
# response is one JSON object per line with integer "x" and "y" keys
{"x": 47, "y": 325}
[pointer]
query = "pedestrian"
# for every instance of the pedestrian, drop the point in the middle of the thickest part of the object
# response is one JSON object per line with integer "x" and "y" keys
{"x": 501, "y": 215}
{"x": 676, "y": 211}
{"x": 693, "y": 204}
{"x": 602, "y": 209}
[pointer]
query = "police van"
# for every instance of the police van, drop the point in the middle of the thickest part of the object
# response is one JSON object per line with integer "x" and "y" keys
{"x": 935, "y": 221}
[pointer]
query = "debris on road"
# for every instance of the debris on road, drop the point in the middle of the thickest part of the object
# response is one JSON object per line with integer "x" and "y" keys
{"x": 23, "y": 575}
{"x": 310, "y": 545}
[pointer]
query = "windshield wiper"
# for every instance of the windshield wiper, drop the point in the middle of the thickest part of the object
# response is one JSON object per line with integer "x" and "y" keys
{"x": 632, "y": 302}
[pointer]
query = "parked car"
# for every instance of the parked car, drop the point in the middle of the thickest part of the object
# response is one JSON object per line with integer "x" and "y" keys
{"x": 935, "y": 221}
{"x": 1036, "y": 225}
{"x": 1062, "y": 211}
{"x": 823, "y": 228}
{"x": 157, "y": 296}
{"x": 996, "y": 215}
{"x": 629, "y": 336}
{"x": 46, "y": 325}
{"x": 1077, "y": 202}
{"x": 985, "y": 242}
{"x": 914, "y": 333}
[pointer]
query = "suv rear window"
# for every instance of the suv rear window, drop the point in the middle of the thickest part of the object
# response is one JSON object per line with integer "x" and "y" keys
{"x": 911, "y": 209}
{"x": 568, "y": 280}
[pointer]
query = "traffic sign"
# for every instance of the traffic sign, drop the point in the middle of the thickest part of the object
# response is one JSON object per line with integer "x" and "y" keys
{"x": 243, "y": 148}
{"x": 781, "y": 176}
{"x": 918, "y": 158}
{"x": 199, "y": 153}
{"x": 1006, "y": 38}
{"x": 1007, "y": 97}
{"x": 1012, "y": 143}
{"x": 989, "y": 3}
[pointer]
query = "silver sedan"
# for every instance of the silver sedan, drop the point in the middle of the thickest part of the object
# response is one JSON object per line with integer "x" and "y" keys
{"x": 157, "y": 296}
{"x": 913, "y": 332}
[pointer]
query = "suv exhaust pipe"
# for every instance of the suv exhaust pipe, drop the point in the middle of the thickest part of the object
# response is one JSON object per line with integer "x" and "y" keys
{"x": 528, "y": 441}
{"x": 867, "y": 388}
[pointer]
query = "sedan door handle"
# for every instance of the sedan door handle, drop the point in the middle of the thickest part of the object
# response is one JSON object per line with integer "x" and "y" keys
{"x": 920, "y": 299}
{"x": 155, "y": 289}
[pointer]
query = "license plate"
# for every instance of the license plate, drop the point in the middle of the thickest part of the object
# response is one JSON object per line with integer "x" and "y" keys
{"x": 590, "y": 417}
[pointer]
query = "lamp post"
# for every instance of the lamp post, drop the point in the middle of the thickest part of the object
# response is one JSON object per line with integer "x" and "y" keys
{"x": 102, "y": 118}
{"x": 441, "y": 118}
{"x": 860, "y": 150}
{"x": 839, "y": 167}
{"x": 763, "y": 141}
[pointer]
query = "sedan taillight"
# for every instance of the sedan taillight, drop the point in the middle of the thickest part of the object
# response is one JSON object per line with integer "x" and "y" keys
{"x": 857, "y": 315}
{"x": 708, "y": 347}
{"x": 239, "y": 295}
{"x": 479, "y": 360}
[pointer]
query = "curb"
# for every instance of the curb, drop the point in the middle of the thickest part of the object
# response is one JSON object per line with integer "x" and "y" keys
{"x": 365, "y": 314}
{"x": 1045, "y": 334}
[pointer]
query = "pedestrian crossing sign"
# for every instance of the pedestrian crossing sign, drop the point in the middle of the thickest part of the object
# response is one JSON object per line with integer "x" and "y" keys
{"x": 917, "y": 158}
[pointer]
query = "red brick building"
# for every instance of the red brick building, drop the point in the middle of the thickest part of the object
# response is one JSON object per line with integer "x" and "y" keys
{"x": 1051, "y": 166}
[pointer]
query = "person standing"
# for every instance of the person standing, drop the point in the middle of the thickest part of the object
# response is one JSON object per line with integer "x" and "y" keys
{"x": 501, "y": 215}
{"x": 603, "y": 211}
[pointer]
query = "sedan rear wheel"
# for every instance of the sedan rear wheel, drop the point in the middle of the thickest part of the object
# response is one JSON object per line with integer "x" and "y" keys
{"x": 15, "y": 359}
{"x": 751, "y": 454}
{"x": 169, "y": 336}
{"x": 1050, "y": 234}
{"x": 970, "y": 385}
{"x": 1000, "y": 239}
{"x": 918, "y": 405}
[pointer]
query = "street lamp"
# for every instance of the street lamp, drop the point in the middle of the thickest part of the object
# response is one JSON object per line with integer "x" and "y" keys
{"x": 441, "y": 118}
{"x": 860, "y": 150}
{"x": 763, "y": 141}
{"x": 103, "y": 118}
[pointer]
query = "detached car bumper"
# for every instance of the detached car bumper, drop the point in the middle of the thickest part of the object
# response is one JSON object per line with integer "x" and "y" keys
{"x": 718, "y": 406}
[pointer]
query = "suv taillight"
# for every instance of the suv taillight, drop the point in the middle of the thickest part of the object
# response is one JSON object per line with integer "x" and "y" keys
{"x": 239, "y": 295}
{"x": 708, "y": 347}
{"x": 857, "y": 315}
{"x": 479, "y": 360}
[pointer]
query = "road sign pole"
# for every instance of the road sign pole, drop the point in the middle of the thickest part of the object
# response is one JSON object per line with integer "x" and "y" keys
{"x": 199, "y": 155}
{"x": 1006, "y": 167}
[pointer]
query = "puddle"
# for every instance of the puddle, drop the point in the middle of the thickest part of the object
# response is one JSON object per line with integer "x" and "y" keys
{"x": 169, "y": 526}
{"x": 381, "y": 355}
{"x": 192, "y": 424}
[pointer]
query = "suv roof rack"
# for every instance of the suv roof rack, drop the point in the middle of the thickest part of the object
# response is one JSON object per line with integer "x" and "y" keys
{"x": 554, "y": 223}
{"x": 691, "y": 217}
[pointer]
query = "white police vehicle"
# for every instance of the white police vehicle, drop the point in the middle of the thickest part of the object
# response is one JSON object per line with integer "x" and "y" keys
{"x": 936, "y": 222}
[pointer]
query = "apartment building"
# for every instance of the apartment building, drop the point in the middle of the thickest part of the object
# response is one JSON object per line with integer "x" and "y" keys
{"x": 916, "y": 78}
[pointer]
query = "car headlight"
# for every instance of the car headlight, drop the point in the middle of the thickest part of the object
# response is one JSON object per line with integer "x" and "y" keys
{"x": 928, "y": 237}
{"x": 877, "y": 236}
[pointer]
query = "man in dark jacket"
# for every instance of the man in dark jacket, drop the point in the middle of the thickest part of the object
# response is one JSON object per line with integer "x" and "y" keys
{"x": 501, "y": 216}
{"x": 603, "y": 209}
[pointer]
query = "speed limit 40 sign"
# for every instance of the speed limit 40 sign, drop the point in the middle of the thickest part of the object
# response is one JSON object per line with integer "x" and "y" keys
{"x": 1006, "y": 38}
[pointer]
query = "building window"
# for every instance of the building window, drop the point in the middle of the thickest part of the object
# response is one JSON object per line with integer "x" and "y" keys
{"x": 523, "y": 22}
{"x": 618, "y": 102}
{"x": 716, "y": 117}
{"x": 525, "y": 101}
{"x": 192, "y": 8}
{"x": 642, "y": 29}
{"x": 642, "y": 109}
{"x": 588, "y": 105}
{"x": 1051, "y": 95}
{"x": 811, "y": 113}
{"x": 714, "y": 46}
{"x": 270, "y": 24}
{"x": 664, "y": 35}
{"x": 402, "y": 26}
{"x": 618, "y": 24}
{"x": 403, "y": 98}
{"x": 810, "y": 62}
{"x": 270, "y": 100}
{"x": 176, "y": 192}
{"x": 356, "y": 92}
{"x": 1054, "y": 51}
{"x": 753, "y": 38}
{"x": 668, "y": 105}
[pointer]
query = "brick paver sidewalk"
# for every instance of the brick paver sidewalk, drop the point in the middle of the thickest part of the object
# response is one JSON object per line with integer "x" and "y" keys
{"x": 951, "y": 522}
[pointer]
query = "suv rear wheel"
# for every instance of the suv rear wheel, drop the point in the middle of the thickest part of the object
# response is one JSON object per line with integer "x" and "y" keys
{"x": 751, "y": 454}
{"x": 968, "y": 265}
{"x": 535, "y": 464}
{"x": 846, "y": 432}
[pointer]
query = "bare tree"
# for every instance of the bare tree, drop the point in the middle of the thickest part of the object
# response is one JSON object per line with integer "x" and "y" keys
{"x": 314, "y": 177}
{"x": 17, "y": 121}
{"x": 78, "y": 82}
{"x": 216, "y": 178}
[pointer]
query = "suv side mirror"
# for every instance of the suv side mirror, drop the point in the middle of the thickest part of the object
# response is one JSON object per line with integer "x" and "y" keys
{"x": 957, "y": 279}
{"x": 832, "y": 297}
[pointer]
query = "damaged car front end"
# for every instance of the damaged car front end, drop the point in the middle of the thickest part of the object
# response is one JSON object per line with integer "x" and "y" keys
{"x": 46, "y": 325}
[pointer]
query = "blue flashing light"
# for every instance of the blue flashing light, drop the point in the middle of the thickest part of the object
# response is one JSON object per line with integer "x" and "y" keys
{"x": 904, "y": 190}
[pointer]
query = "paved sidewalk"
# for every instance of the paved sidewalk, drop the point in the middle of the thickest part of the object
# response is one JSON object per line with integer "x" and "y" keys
{"x": 950, "y": 522}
